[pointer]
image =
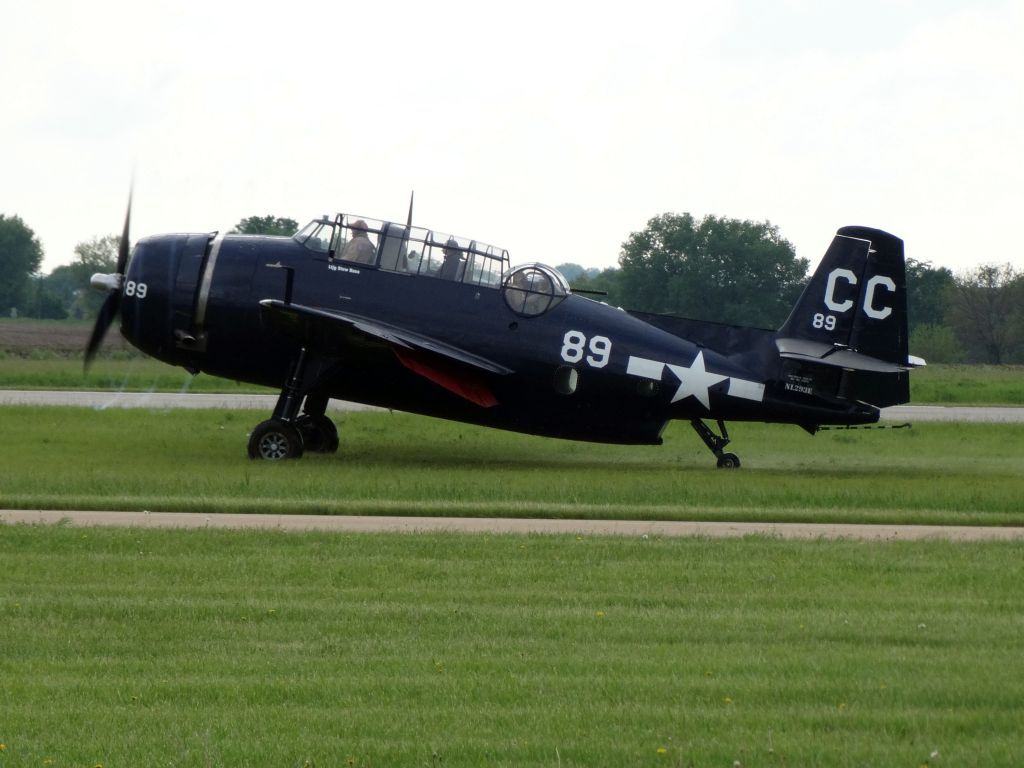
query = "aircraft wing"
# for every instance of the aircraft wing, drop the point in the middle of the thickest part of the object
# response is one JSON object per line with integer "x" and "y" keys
{"x": 334, "y": 331}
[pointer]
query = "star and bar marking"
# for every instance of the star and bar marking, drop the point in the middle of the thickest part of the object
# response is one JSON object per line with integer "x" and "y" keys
{"x": 695, "y": 379}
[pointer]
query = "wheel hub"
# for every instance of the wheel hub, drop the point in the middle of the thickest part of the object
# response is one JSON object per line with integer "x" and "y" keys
{"x": 273, "y": 446}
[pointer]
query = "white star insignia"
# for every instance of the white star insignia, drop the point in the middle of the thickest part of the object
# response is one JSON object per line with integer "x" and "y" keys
{"x": 695, "y": 380}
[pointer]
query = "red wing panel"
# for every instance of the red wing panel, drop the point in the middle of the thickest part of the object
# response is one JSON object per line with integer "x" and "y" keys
{"x": 451, "y": 378}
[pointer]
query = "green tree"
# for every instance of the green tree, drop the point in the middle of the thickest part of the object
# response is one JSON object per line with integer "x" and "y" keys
{"x": 986, "y": 310}
{"x": 927, "y": 290}
{"x": 70, "y": 282}
{"x": 43, "y": 303}
{"x": 574, "y": 272}
{"x": 266, "y": 225}
{"x": 720, "y": 269}
{"x": 605, "y": 281}
{"x": 936, "y": 344}
{"x": 20, "y": 257}
{"x": 570, "y": 271}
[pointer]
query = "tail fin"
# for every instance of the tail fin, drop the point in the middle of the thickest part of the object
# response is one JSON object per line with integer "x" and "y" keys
{"x": 853, "y": 315}
{"x": 857, "y": 297}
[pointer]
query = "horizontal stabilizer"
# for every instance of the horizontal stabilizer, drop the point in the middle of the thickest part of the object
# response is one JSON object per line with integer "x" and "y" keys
{"x": 840, "y": 357}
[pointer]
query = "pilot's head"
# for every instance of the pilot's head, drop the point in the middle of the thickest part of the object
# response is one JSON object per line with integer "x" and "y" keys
{"x": 451, "y": 248}
{"x": 358, "y": 228}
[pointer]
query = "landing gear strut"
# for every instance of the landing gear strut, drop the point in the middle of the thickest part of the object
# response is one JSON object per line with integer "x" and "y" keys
{"x": 318, "y": 432}
{"x": 287, "y": 435}
{"x": 717, "y": 444}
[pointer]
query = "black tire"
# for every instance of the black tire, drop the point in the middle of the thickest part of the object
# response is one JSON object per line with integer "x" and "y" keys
{"x": 318, "y": 433}
{"x": 728, "y": 461}
{"x": 274, "y": 440}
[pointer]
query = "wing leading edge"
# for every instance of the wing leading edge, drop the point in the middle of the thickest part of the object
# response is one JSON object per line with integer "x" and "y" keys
{"x": 336, "y": 333}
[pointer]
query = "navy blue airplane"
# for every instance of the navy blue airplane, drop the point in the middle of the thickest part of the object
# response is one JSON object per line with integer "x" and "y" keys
{"x": 414, "y": 320}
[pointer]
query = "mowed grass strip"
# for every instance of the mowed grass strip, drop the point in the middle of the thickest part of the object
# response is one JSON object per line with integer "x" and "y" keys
{"x": 389, "y": 463}
{"x": 968, "y": 385}
{"x": 145, "y": 647}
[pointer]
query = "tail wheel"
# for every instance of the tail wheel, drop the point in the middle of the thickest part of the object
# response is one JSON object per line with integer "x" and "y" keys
{"x": 716, "y": 443}
{"x": 728, "y": 461}
{"x": 274, "y": 440}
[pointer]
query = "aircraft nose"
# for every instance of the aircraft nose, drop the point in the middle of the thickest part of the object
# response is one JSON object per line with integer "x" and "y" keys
{"x": 159, "y": 292}
{"x": 108, "y": 283}
{"x": 141, "y": 288}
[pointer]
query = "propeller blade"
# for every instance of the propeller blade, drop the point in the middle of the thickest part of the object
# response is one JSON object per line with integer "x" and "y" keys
{"x": 122, "y": 246}
{"x": 111, "y": 305}
{"x": 103, "y": 321}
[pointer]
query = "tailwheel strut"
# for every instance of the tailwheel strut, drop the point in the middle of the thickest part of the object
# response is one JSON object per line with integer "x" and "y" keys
{"x": 716, "y": 444}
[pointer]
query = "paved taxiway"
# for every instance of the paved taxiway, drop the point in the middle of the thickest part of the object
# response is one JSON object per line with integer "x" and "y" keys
{"x": 631, "y": 528}
{"x": 168, "y": 400}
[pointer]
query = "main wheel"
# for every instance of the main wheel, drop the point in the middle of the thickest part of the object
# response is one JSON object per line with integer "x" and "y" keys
{"x": 274, "y": 440}
{"x": 728, "y": 461}
{"x": 318, "y": 433}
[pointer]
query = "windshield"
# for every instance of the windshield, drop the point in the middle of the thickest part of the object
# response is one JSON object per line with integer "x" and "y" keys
{"x": 317, "y": 236}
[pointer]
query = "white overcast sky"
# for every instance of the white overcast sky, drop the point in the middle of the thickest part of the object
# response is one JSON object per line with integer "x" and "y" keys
{"x": 553, "y": 129}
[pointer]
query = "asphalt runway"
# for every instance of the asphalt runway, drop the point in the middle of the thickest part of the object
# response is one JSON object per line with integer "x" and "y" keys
{"x": 167, "y": 400}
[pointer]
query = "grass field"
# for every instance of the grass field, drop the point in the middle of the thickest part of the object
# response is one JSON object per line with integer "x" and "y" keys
{"x": 71, "y": 458}
{"x": 968, "y": 385}
{"x": 147, "y": 647}
{"x": 202, "y": 648}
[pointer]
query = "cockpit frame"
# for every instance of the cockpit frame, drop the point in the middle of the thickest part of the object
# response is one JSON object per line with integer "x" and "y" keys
{"x": 384, "y": 245}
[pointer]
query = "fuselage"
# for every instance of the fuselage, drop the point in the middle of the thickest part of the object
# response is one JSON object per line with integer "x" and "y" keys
{"x": 580, "y": 369}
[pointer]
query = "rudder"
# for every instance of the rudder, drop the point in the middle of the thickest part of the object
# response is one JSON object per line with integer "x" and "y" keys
{"x": 857, "y": 298}
{"x": 848, "y": 332}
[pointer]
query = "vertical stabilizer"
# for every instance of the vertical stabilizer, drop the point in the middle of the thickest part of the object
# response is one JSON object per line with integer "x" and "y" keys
{"x": 857, "y": 298}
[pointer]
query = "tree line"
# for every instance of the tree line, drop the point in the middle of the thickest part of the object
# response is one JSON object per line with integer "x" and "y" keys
{"x": 745, "y": 273}
{"x": 713, "y": 268}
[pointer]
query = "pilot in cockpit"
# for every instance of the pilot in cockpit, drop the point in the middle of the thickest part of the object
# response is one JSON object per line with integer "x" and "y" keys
{"x": 359, "y": 249}
{"x": 453, "y": 266}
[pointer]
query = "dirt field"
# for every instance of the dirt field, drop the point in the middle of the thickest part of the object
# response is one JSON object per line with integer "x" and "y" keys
{"x": 24, "y": 338}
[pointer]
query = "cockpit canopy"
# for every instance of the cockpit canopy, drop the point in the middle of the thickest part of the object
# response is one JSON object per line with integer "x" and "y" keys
{"x": 529, "y": 290}
{"x": 411, "y": 250}
{"x": 533, "y": 289}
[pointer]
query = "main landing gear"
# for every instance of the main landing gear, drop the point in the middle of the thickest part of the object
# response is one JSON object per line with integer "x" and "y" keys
{"x": 717, "y": 444}
{"x": 287, "y": 435}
